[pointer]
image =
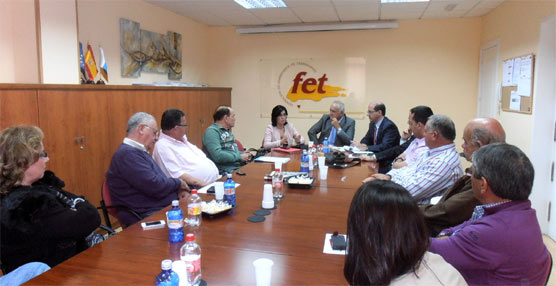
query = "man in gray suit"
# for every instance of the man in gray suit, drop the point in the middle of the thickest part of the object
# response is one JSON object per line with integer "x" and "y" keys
{"x": 336, "y": 127}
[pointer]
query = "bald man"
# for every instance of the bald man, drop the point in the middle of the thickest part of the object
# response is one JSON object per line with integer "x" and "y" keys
{"x": 458, "y": 202}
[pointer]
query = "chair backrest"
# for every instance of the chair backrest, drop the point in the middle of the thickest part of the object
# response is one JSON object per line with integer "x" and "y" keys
{"x": 240, "y": 146}
{"x": 108, "y": 199}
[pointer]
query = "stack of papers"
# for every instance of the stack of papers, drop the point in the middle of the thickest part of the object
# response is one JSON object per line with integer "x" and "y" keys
{"x": 269, "y": 159}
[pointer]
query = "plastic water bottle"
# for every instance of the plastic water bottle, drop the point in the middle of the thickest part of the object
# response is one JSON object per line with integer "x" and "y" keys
{"x": 175, "y": 222}
{"x": 325, "y": 148}
{"x": 305, "y": 162}
{"x": 167, "y": 277}
{"x": 191, "y": 253}
{"x": 310, "y": 155}
{"x": 194, "y": 209}
{"x": 277, "y": 184}
{"x": 230, "y": 191}
{"x": 315, "y": 156}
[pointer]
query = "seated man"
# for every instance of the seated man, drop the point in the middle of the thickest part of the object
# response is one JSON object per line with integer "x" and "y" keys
{"x": 502, "y": 242}
{"x": 336, "y": 127}
{"x": 458, "y": 202}
{"x": 409, "y": 151}
{"x": 220, "y": 144}
{"x": 382, "y": 133}
{"x": 179, "y": 158}
{"x": 435, "y": 169}
{"x": 134, "y": 178}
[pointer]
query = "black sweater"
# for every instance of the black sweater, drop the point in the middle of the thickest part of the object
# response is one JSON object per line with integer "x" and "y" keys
{"x": 38, "y": 226}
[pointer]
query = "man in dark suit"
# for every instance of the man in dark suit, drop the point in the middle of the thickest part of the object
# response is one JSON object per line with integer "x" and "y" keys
{"x": 336, "y": 127}
{"x": 382, "y": 134}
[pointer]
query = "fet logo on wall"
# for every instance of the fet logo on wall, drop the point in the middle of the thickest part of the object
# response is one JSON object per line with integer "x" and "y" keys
{"x": 300, "y": 80}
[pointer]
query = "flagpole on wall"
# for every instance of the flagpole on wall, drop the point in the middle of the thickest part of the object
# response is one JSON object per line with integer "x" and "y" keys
{"x": 77, "y": 46}
{"x": 38, "y": 38}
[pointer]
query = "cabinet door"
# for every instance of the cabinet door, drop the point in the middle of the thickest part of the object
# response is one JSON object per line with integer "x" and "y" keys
{"x": 209, "y": 101}
{"x": 76, "y": 130}
{"x": 18, "y": 106}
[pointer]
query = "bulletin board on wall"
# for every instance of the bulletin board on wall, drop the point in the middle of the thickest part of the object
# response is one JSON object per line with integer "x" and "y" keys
{"x": 517, "y": 84}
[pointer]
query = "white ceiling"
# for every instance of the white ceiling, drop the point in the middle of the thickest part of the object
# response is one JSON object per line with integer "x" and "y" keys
{"x": 229, "y": 13}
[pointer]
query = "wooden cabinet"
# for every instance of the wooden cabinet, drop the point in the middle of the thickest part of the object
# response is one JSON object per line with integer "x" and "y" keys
{"x": 84, "y": 125}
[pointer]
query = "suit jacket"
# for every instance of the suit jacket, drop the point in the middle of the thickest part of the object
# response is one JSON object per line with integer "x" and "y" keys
{"x": 324, "y": 126}
{"x": 455, "y": 207}
{"x": 385, "y": 158}
{"x": 388, "y": 136}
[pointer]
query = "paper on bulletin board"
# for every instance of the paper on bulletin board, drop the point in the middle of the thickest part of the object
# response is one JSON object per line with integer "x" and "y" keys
{"x": 507, "y": 73}
{"x": 524, "y": 87}
{"x": 515, "y": 101}
{"x": 516, "y": 71}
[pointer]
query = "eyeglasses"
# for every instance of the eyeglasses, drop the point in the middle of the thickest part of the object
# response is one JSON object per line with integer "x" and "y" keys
{"x": 43, "y": 154}
{"x": 155, "y": 131}
{"x": 183, "y": 125}
{"x": 371, "y": 111}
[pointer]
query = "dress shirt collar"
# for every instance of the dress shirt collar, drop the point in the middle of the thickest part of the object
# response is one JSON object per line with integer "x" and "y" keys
{"x": 172, "y": 139}
{"x": 135, "y": 144}
{"x": 435, "y": 151}
{"x": 377, "y": 125}
{"x": 479, "y": 211}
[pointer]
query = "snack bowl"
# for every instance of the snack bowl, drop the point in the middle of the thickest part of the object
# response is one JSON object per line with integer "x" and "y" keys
{"x": 300, "y": 182}
{"x": 214, "y": 209}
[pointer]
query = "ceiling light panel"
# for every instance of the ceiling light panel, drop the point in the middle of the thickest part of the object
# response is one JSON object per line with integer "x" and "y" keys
{"x": 260, "y": 4}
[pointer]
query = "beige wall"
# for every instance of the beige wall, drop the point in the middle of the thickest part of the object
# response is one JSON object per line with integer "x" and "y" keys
{"x": 18, "y": 43}
{"x": 99, "y": 24}
{"x": 516, "y": 25}
{"x": 430, "y": 62}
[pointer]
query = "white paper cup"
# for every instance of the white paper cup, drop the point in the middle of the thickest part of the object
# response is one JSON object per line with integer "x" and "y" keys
{"x": 219, "y": 191}
{"x": 322, "y": 161}
{"x": 323, "y": 172}
{"x": 263, "y": 271}
{"x": 278, "y": 165}
{"x": 268, "y": 201}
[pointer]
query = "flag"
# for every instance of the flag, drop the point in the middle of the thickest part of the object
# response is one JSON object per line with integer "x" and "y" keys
{"x": 90, "y": 64}
{"x": 103, "y": 65}
{"x": 82, "y": 63}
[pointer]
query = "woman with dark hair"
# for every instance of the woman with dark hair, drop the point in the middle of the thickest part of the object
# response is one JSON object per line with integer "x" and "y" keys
{"x": 281, "y": 133}
{"x": 388, "y": 241}
{"x": 39, "y": 221}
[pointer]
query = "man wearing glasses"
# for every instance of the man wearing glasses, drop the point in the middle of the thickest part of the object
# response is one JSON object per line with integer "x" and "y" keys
{"x": 382, "y": 133}
{"x": 336, "y": 127}
{"x": 179, "y": 158}
{"x": 134, "y": 179}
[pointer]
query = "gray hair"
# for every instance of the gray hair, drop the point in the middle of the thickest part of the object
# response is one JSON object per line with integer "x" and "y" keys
{"x": 138, "y": 119}
{"x": 444, "y": 125}
{"x": 485, "y": 136}
{"x": 341, "y": 106}
{"x": 507, "y": 170}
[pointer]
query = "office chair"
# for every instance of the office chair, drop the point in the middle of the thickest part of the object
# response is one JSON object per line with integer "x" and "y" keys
{"x": 108, "y": 208}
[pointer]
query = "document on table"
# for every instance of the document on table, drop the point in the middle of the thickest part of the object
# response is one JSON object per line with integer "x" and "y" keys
{"x": 204, "y": 189}
{"x": 269, "y": 159}
{"x": 328, "y": 247}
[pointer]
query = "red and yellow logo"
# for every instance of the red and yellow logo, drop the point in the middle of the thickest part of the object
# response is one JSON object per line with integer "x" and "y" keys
{"x": 306, "y": 84}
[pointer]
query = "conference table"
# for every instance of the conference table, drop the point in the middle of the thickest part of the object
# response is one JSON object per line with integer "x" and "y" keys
{"x": 292, "y": 236}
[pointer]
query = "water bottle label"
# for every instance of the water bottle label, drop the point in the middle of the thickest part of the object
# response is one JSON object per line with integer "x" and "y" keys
{"x": 230, "y": 191}
{"x": 174, "y": 224}
{"x": 277, "y": 184}
{"x": 193, "y": 265}
{"x": 194, "y": 209}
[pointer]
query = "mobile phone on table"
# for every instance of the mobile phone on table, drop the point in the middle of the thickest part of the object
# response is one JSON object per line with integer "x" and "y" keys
{"x": 338, "y": 242}
{"x": 153, "y": 224}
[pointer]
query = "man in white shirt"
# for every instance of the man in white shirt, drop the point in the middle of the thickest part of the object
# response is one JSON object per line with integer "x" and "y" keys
{"x": 436, "y": 169}
{"x": 179, "y": 158}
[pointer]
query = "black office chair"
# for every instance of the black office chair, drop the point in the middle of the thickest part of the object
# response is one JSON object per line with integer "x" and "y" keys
{"x": 108, "y": 208}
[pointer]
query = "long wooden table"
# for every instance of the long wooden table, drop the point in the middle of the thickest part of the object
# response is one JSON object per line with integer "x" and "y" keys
{"x": 292, "y": 236}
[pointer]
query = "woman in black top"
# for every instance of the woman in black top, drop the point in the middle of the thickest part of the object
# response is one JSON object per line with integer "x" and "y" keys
{"x": 39, "y": 220}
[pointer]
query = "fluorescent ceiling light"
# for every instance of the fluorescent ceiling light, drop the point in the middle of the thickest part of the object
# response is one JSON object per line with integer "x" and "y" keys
{"x": 318, "y": 27}
{"x": 257, "y": 4}
{"x": 402, "y": 1}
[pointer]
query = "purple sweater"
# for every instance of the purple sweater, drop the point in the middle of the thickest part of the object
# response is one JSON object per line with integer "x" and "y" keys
{"x": 504, "y": 247}
{"x": 136, "y": 181}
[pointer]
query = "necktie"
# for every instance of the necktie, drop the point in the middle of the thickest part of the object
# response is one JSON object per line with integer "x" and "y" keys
{"x": 332, "y": 137}
{"x": 376, "y": 134}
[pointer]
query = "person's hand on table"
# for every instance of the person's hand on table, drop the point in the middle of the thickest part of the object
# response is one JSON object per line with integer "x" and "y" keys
{"x": 364, "y": 157}
{"x": 360, "y": 146}
{"x": 245, "y": 157}
{"x": 382, "y": 177}
{"x": 283, "y": 141}
{"x": 184, "y": 186}
{"x": 297, "y": 138}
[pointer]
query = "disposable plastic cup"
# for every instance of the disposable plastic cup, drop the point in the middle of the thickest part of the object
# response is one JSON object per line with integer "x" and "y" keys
{"x": 268, "y": 201}
{"x": 263, "y": 271}
{"x": 321, "y": 162}
{"x": 323, "y": 172}
{"x": 219, "y": 191}
{"x": 278, "y": 165}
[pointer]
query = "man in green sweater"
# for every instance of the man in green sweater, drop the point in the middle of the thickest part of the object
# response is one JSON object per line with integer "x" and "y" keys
{"x": 220, "y": 144}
